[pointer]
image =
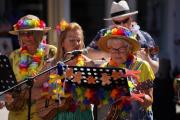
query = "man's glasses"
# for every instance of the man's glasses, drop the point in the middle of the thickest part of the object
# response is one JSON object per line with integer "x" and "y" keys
{"x": 121, "y": 22}
{"x": 27, "y": 33}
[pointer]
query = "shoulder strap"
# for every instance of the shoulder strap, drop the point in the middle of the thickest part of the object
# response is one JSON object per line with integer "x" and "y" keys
{"x": 138, "y": 65}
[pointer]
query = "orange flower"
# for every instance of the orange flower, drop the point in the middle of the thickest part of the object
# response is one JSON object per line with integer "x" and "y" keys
{"x": 91, "y": 80}
{"x": 105, "y": 79}
{"x": 77, "y": 77}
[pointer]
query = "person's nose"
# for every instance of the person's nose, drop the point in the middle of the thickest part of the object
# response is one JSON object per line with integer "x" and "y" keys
{"x": 77, "y": 43}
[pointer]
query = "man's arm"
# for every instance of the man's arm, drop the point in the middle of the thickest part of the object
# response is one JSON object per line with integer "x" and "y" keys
{"x": 145, "y": 56}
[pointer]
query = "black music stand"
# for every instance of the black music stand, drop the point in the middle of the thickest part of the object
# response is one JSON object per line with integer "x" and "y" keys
{"x": 96, "y": 72}
{"x": 7, "y": 77}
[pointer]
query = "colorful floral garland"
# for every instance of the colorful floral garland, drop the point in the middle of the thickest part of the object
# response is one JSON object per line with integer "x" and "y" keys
{"x": 29, "y": 64}
{"x": 120, "y": 31}
{"x": 29, "y": 23}
{"x": 56, "y": 83}
{"x": 80, "y": 61}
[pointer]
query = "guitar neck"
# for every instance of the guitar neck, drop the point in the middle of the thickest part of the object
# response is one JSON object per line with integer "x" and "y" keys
{"x": 144, "y": 85}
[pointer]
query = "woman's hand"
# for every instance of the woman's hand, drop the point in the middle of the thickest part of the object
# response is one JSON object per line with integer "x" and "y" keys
{"x": 144, "y": 99}
{"x": 137, "y": 97}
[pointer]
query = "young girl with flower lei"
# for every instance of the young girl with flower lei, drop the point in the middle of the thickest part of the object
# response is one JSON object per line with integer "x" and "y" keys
{"x": 70, "y": 37}
{"x": 28, "y": 61}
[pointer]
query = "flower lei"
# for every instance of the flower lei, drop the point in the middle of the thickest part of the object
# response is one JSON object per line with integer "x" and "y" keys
{"x": 80, "y": 61}
{"x": 56, "y": 84}
{"x": 28, "y": 65}
{"x": 127, "y": 63}
{"x": 29, "y": 23}
{"x": 55, "y": 81}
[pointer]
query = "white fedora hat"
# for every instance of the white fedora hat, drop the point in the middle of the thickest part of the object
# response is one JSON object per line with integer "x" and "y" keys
{"x": 120, "y": 9}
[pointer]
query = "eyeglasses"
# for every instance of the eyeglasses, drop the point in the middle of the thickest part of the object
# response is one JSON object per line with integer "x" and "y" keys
{"x": 29, "y": 33}
{"x": 121, "y": 22}
{"x": 119, "y": 50}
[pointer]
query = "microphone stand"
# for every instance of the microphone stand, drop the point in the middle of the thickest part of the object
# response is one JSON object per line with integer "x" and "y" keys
{"x": 29, "y": 81}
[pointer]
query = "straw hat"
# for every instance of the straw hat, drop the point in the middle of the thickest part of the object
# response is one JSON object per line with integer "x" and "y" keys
{"x": 29, "y": 23}
{"x": 121, "y": 33}
{"x": 120, "y": 9}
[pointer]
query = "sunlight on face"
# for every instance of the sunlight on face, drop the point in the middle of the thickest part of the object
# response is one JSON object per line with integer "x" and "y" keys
{"x": 119, "y": 50}
{"x": 123, "y": 21}
{"x": 73, "y": 41}
{"x": 27, "y": 39}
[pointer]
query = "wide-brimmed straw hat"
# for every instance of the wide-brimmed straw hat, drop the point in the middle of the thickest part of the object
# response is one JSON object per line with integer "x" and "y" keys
{"x": 29, "y": 23}
{"x": 122, "y": 34}
{"x": 120, "y": 9}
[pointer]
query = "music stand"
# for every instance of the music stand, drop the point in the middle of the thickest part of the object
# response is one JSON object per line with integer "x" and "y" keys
{"x": 98, "y": 80}
{"x": 71, "y": 77}
{"x": 7, "y": 77}
{"x": 97, "y": 73}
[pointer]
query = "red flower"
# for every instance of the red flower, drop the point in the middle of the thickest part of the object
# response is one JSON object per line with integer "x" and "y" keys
{"x": 36, "y": 59}
{"x": 120, "y": 32}
{"x": 23, "y": 49}
{"x": 115, "y": 93}
{"x": 114, "y": 31}
{"x": 16, "y": 27}
{"x": 42, "y": 24}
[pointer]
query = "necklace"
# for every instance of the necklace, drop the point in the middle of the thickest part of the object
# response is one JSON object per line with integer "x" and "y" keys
{"x": 127, "y": 64}
{"x": 29, "y": 64}
{"x": 80, "y": 61}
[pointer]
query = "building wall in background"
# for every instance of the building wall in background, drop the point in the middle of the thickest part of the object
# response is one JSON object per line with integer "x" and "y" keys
{"x": 89, "y": 14}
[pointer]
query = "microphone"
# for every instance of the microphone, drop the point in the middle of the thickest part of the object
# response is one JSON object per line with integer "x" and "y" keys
{"x": 77, "y": 52}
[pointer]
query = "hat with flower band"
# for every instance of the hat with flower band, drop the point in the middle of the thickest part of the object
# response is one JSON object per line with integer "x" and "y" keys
{"x": 29, "y": 23}
{"x": 121, "y": 33}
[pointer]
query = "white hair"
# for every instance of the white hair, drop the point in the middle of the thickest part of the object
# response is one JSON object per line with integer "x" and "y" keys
{"x": 129, "y": 46}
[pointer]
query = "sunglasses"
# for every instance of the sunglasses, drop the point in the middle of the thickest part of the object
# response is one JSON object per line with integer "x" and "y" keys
{"x": 121, "y": 22}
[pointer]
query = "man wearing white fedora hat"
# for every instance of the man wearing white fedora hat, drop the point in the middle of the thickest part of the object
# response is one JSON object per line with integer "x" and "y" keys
{"x": 121, "y": 15}
{"x": 119, "y": 10}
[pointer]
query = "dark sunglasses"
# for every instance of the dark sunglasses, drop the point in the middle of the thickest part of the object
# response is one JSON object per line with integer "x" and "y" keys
{"x": 121, "y": 22}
